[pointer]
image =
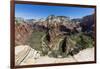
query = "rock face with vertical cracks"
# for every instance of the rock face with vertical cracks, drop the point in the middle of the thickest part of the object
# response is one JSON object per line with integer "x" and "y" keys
{"x": 22, "y": 33}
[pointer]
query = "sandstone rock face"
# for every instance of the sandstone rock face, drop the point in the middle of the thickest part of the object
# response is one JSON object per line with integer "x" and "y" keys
{"x": 22, "y": 33}
{"x": 61, "y": 33}
{"x": 87, "y": 23}
{"x": 25, "y": 55}
{"x": 53, "y": 31}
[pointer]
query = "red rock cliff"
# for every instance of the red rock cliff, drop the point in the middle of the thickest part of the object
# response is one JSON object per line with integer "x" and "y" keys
{"x": 22, "y": 33}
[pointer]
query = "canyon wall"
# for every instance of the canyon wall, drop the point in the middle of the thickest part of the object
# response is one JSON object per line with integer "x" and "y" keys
{"x": 22, "y": 33}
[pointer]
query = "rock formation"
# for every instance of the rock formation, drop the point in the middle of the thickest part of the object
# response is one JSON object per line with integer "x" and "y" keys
{"x": 87, "y": 23}
{"x": 22, "y": 33}
{"x": 25, "y": 55}
{"x": 63, "y": 36}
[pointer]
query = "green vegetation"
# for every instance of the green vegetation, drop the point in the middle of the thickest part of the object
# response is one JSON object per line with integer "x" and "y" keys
{"x": 35, "y": 40}
{"x": 82, "y": 40}
{"x": 17, "y": 23}
{"x": 79, "y": 42}
{"x": 72, "y": 44}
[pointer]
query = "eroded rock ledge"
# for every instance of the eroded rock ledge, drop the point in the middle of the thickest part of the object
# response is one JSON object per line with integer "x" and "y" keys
{"x": 24, "y": 54}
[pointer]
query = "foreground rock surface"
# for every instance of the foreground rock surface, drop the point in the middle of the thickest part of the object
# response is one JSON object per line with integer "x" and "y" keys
{"x": 84, "y": 55}
{"x": 25, "y": 55}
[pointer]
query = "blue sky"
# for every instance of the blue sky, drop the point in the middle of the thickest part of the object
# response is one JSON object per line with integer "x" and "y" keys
{"x": 28, "y": 11}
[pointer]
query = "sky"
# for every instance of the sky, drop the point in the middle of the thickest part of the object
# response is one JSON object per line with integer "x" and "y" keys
{"x": 29, "y": 11}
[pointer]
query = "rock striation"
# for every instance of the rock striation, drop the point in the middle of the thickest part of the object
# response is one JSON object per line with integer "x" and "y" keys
{"x": 25, "y": 55}
{"x": 22, "y": 33}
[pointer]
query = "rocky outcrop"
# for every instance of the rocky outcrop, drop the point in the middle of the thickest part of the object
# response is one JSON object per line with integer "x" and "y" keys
{"x": 64, "y": 36}
{"x": 83, "y": 55}
{"x": 22, "y": 33}
{"x": 87, "y": 23}
{"x": 25, "y": 55}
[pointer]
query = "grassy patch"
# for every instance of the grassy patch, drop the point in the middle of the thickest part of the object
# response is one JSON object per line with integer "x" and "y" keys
{"x": 35, "y": 40}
